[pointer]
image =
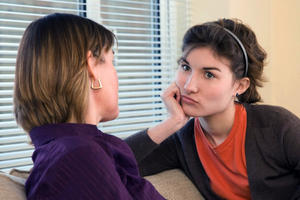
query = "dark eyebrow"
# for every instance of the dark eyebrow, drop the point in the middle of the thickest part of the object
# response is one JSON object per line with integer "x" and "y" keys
{"x": 211, "y": 68}
{"x": 183, "y": 60}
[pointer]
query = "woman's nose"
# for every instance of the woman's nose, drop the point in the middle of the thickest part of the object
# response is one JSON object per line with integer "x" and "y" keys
{"x": 191, "y": 84}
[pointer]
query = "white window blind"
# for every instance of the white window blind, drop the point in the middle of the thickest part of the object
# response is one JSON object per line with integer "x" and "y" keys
{"x": 138, "y": 62}
{"x": 147, "y": 33}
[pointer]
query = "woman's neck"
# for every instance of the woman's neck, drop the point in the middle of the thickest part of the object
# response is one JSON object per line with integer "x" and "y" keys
{"x": 92, "y": 113}
{"x": 217, "y": 127}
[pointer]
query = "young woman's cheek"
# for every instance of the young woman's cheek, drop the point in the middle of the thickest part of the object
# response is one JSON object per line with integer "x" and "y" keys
{"x": 180, "y": 79}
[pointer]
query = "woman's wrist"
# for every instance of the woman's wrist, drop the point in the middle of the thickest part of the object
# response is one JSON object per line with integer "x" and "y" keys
{"x": 163, "y": 130}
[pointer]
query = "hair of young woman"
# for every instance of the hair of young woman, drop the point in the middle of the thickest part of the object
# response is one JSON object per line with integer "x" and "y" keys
{"x": 223, "y": 44}
{"x": 51, "y": 78}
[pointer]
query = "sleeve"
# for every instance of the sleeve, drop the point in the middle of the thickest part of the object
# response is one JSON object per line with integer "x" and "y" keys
{"x": 151, "y": 157}
{"x": 84, "y": 173}
{"x": 292, "y": 149}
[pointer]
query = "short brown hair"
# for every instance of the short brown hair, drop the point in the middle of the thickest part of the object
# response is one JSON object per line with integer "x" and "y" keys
{"x": 51, "y": 79}
{"x": 213, "y": 35}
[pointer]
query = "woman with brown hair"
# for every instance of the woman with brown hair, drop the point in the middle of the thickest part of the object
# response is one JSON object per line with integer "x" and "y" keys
{"x": 232, "y": 148}
{"x": 65, "y": 84}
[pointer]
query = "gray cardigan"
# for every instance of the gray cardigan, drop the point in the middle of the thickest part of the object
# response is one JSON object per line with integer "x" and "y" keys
{"x": 272, "y": 154}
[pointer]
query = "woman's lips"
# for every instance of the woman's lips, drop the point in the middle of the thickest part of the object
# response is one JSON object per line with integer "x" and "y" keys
{"x": 188, "y": 100}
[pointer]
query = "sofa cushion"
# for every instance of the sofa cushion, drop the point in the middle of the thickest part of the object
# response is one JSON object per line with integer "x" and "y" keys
{"x": 174, "y": 185}
{"x": 12, "y": 187}
{"x": 19, "y": 173}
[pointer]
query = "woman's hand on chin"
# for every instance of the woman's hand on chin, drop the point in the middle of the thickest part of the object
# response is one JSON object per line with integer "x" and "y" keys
{"x": 171, "y": 98}
{"x": 176, "y": 117}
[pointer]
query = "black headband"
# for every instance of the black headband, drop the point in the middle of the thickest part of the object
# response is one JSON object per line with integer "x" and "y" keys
{"x": 242, "y": 47}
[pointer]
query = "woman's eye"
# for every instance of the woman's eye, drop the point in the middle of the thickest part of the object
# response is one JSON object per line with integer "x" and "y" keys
{"x": 185, "y": 67}
{"x": 209, "y": 75}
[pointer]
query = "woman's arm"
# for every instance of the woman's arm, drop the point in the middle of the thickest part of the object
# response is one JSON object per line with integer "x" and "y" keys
{"x": 155, "y": 148}
{"x": 292, "y": 147}
{"x": 151, "y": 157}
{"x": 176, "y": 117}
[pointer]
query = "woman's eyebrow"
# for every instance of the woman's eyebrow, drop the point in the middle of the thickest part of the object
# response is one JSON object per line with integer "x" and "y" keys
{"x": 184, "y": 60}
{"x": 211, "y": 68}
{"x": 204, "y": 68}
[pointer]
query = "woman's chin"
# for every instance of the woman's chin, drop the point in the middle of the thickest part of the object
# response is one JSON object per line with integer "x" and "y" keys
{"x": 115, "y": 114}
{"x": 111, "y": 115}
{"x": 190, "y": 112}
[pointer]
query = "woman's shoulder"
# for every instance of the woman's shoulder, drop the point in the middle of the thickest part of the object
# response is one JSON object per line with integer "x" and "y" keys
{"x": 270, "y": 114}
{"x": 71, "y": 143}
{"x": 73, "y": 148}
{"x": 115, "y": 143}
{"x": 105, "y": 145}
{"x": 268, "y": 110}
{"x": 77, "y": 160}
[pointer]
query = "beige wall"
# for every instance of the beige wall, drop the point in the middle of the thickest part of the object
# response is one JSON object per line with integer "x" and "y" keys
{"x": 277, "y": 26}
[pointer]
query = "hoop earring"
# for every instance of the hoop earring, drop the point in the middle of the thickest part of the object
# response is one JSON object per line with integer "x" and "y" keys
{"x": 96, "y": 87}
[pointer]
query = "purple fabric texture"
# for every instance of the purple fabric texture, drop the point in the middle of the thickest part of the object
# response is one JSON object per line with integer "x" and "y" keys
{"x": 78, "y": 161}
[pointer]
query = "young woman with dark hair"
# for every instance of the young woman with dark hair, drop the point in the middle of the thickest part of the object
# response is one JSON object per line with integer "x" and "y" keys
{"x": 231, "y": 148}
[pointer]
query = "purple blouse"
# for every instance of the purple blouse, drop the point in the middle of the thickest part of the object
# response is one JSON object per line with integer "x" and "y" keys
{"x": 78, "y": 161}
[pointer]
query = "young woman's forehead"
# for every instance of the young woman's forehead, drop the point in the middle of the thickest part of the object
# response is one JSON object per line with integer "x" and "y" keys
{"x": 205, "y": 56}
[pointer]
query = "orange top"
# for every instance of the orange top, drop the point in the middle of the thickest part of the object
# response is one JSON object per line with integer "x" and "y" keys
{"x": 225, "y": 164}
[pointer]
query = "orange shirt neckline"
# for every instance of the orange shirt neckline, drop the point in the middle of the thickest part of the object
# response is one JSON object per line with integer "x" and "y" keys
{"x": 225, "y": 164}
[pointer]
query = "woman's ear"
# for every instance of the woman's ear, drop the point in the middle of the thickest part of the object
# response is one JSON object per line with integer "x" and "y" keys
{"x": 243, "y": 85}
{"x": 91, "y": 65}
